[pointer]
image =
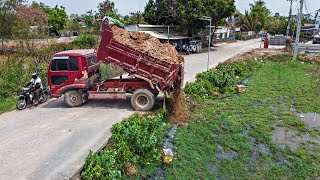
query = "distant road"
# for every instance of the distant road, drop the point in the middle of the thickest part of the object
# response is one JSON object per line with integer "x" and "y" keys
{"x": 52, "y": 141}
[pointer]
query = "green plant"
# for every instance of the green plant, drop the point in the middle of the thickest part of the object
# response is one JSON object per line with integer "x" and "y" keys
{"x": 100, "y": 166}
{"x": 236, "y": 136}
{"x": 135, "y": 141}
{"x": 86, "y": 41}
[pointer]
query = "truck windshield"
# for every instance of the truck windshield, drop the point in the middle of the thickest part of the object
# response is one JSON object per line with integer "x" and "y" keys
{"x": 67, "y": 64}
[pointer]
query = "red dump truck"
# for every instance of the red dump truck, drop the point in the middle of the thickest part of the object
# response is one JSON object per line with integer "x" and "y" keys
{"x": 75, "y": 74}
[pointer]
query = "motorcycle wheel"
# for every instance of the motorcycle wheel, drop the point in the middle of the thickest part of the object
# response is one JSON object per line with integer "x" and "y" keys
{"x": 21, "y": 104}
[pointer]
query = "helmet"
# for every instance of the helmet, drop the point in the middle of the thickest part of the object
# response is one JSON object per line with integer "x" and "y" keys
{"x": 34, "y": 75}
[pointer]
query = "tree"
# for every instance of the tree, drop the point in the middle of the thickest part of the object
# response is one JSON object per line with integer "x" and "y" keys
{"x": 256, "y": 19}
{"x": 276, "y": 25}
{"x": 164, "y": 12}
{"x": 107, "y": 8}
{"x": 89, "y": 19}
{"x": 259, "y": 12}
{"x": 7, "y": 17}
{"x": 219, "y": 10}
{"x": 57, "y": 16}
{"x": 27, "y": 17}
{"x": 134, "y": 18}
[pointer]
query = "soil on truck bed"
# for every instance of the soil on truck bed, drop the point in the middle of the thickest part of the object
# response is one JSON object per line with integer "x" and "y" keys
{"x": 148, "y": 44}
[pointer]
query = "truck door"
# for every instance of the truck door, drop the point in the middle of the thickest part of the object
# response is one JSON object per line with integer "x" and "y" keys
{"x": 63, "y": 71}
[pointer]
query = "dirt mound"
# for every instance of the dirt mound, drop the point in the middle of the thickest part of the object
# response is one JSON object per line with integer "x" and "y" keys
{"x": 178, "y": 108}
{"x": 148, "y": 44}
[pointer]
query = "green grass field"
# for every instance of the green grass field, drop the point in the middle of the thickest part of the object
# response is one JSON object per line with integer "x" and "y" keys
{"x": 234, "y": 137}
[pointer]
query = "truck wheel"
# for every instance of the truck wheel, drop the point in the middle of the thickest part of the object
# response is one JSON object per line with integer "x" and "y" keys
{"x": 142, "y": 100}
{"x": 73, "y": 98}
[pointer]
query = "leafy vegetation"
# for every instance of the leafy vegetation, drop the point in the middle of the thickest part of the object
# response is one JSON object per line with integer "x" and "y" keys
{"x": 86, "y": 41}
{"x": 235, "y": 136}
{"x": 136, "y": 141}
{"x": 222, "y": 79}
{"x": 187, "y": 14}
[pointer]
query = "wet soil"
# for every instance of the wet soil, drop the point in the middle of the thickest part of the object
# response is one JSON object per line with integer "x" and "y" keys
{"x": 178, "y": 108}
{"x": 168, "y": 144}
{"x": 293, "y": 139}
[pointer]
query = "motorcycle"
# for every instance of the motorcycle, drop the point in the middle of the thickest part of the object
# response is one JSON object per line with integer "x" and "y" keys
{"x": 27, "y": 96}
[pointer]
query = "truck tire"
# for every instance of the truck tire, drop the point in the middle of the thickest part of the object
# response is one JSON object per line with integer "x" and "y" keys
{"x": 142, "y": 100}
{"x": 73, "y": 98}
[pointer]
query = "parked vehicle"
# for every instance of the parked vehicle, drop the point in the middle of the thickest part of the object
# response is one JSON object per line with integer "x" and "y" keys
{"x": 27, "y": 97}
{"x": 195, "y": 46}
{"x": 72, "y": 74}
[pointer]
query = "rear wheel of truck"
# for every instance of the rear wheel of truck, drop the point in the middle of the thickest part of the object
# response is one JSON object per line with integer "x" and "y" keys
{"x": 142, "y": 100}
{"x": 73, "y": 98}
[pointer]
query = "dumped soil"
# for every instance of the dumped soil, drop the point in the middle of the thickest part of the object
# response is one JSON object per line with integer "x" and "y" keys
{"x": 256, "y": 54}
{"x": 148, "y": 44}
{"x": 178, "y": 108}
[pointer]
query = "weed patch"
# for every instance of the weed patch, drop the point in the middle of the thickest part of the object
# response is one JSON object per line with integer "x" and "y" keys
{"x": 135, "y": 143}
{"x": 234, "y": 137}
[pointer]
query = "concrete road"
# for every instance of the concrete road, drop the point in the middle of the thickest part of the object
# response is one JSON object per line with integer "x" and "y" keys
{"x": 52, "y": 141}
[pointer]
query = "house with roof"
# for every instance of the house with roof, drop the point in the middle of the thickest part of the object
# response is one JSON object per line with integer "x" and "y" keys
{"x": 311, "y": 29}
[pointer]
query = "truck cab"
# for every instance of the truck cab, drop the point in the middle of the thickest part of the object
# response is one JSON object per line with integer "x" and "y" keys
{"x": 68, "y": 66}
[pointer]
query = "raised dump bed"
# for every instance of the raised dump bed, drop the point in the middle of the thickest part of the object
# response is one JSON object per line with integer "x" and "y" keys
{"x": 165, "y": 73}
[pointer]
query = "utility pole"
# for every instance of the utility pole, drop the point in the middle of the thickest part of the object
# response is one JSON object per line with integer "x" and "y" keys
{"x": 296, "y": 46}
{"x": 205, "y": 18}
{"x": 289, "y": 20}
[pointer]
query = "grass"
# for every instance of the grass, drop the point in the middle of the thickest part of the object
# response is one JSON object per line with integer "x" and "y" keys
{"x": 7, "y": 104}
{"x": 231, "y": 137}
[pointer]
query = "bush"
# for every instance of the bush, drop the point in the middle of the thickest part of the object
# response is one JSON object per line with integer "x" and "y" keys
{"x": 222, "y": 80}
{"x": 137, "y": 140}
{"x": 86, "y": 41}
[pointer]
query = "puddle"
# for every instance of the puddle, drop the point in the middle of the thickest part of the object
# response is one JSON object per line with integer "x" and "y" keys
{"x": 245, "y": 132}
{"x": 167, "y": 144}
{"x": 245, "y": 82}
{"x": 292, "y": 139}
{"x": 256, "y": 104}
{"x": 311, "y": 119}
{"x": 274, "y": 108}
{"x": 225, "y": 155}
{"x": 228, "y": 155}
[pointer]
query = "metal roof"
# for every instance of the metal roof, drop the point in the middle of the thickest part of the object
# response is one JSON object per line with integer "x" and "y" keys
{"x": 165, "y": 36}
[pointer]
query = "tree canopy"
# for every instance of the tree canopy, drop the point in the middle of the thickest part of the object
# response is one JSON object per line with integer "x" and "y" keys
{"x": 187, "y": 14}
{"x": 57, "y": 16}
{"x": 7, "y": 17}
{"x": 256, "y": 18}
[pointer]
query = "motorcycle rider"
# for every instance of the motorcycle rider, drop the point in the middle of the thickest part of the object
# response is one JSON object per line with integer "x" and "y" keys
{"x": 37, "y": 86}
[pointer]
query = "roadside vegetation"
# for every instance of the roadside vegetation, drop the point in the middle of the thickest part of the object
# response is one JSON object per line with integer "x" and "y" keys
{"x": 135, "y": 144}
{"x": 16, "y": 67}
{"x": 254, "y": 135}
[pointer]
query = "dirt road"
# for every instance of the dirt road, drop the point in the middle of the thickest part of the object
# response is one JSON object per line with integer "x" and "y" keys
{"x": 52, "y": 141}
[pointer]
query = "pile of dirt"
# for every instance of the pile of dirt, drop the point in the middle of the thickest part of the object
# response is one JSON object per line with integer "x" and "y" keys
{"x": 309, "y": 59}
{"x": 148, "y": 44}
{"x": 178, "y": 108}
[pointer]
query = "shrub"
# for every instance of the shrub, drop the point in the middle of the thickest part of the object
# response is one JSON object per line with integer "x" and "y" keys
{"x": 137, "y": 140}
{"x": 99, "y": 166}
{"x": 86, "y": 41}
{"x": 222, "y": 79}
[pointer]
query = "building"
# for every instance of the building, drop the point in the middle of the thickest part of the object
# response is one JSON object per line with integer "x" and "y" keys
{"x": 164, "y": 33}
{"x": 313, "y": 28}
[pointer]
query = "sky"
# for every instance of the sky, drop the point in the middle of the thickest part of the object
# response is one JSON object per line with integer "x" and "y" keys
{"x": 126, "y": 6}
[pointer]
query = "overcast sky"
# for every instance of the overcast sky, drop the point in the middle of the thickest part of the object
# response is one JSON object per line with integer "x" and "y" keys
{"x": 126, "y": 6}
